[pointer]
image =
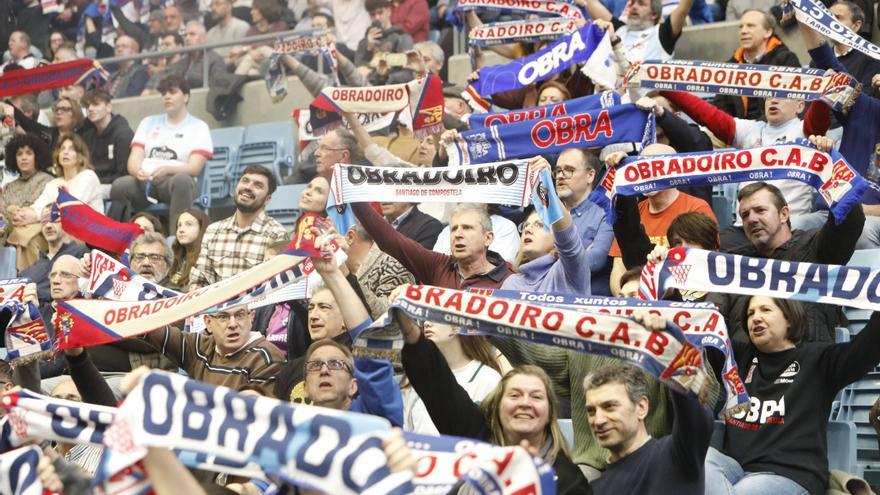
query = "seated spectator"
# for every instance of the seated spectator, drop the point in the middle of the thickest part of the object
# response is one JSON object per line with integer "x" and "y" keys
{"x": 337, "y": 146}
{"x": 58, "y": 244}
{"x": 57, "y": 40}
{"x": 226, "y": 26}
{"x": 412, "y": 16}
{"x": 77, "y": 177}
{"x": 129, "y": 78}
{"x": 227, "y": 354}
{"x": 20, "y": 52}
{"x": 306, "y": 16}
{"x": 67, "y": 117}
{"x": 858, "y": 64}
{"x": 617, "y": 405}
{"x": 576, "y": 172}
{"x": 382, "y": 36}
{"x": 108, "y": 136}
{"x": 758, "y": 44}
{"x": 237, "y": 243}
{"x": 187, "y": 245}
{"x": 167, "y": 153}
{"x": 471, "y": 263}
{"x": 146, "y": 36}
{"x": 173, "y": 20}
{"x": 249, "y": 60}
{"x": 643, "y": 36}
{"x": 165, "y": 66}
{"x": 149, "y": 222}
{"x": 521, "y": 408}
{"x": 656, "y": 212}
{"x": 432, "y": 56}
{"x": 472, "y": 362}
{"x": 377, "y": 272}
{"x": 29, "y": 157}
{"x": 778, "y": 444}
{"x": 192, "y": 63}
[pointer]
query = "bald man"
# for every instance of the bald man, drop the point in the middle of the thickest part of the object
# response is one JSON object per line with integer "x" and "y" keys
{"x": 655, "y": 213}
{"x": 85, "y": 456}
{"x": 190, "y": 66}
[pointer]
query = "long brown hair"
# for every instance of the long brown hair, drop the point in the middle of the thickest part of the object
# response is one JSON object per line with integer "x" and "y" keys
{"x": 491, "y": 407}
{"x": 185, "y": 257}
{"x": 79, "y": 146}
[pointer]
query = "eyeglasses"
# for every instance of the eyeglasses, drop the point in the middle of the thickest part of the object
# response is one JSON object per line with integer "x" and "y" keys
{"x": 239, "y": 315}
{"x": 324, "y": 148}
{"x": 63, "y": 109}
{"x": 332, "y": 365}
{"x": 63, "y": 275}
{"x": 154, "y": 258}
{"x": 565, "y": 172}
{"x": 537, "y": 224}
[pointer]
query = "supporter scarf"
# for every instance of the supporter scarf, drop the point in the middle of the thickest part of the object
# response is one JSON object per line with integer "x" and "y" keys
{"x": 854, "y": 287}
{"x": 18, "y": 472}
{"x": 84, "y": 223}
{"x": 84, "y": 322}
{"x": 836, "y": 180}
{"x": 524, "y": 31}
{"x": 304, "y": 43}
{"x": 540, "y": 7}
{"x": 26, "y": 338}
{"x": 372, "y": 122}
{"x": 575, "y": 48}
{"x": 668, "y": 355}
{"x": 567, "y": 107}
{"x": 424, "y": 97}
{"x": 589, "y": 129}
{"x": 839, "y": 91}
{"x": 818, "y": 18}
{"x": 110, "y": 279}
{"x": 52, "y": 76}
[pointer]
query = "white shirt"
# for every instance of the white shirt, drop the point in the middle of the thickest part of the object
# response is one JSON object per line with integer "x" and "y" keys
{"x": 643, "y": 44}
{"x": 753, "y": 133}
{"x": 505, "y": 243}
{"x": 84, "y": 187}
{"x": 475, "y": 377}
{"x": 167, "y": 144}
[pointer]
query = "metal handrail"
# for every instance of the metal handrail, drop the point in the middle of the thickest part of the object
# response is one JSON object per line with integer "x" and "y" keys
{"x": 204, "y": 49}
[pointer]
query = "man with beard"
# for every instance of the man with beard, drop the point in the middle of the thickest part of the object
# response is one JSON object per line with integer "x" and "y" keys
{"x": 234, "y": 244}
{"x": 151, "y": 258}
{"x": 643, "y": 36}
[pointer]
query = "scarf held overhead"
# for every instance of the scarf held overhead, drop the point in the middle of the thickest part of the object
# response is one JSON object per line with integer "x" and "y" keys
{"x": 317, "y": 43}
{"x": 25, "y": 337}
{"x": 575, "y": 48}
{"x": 588, "y": 129}
{"x": 818, "y": 18}
{"x": 84, "y": 322}
{"x": 52, "y": 76}
{"x": 839, "y": 91}
{"x": 541, "y": 7}
{"x": 836, "y": 181}
{"x": 423, "y": 97}
{"x": 84, "y": 223}
{"x": 18, "y": 472}
{"x": 567, "y": 107}
{"x": 524, "y": 31}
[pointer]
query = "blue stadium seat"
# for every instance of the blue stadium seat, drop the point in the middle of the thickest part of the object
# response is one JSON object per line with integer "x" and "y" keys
{"x": 859, "y": 317}
{"x": 226, "y": 143}
{"x": 271, "y": 144}
{"x": 723, "y": 209}
{"x": 7, "y": 263}
{"x": 284, "y": 206}
{"x": 203, "y": 199}
{"x": 567, "y": 429}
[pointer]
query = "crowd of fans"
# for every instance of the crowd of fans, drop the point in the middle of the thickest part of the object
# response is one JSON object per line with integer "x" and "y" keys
{"x": 631, "y": 433}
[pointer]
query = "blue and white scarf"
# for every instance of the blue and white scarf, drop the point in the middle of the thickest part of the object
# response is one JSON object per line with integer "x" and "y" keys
{"x": 576, "y": 48}
{"x": 18, "y": 472}
{"x": 696, "y": 269}
{"x": 25, "y": 336}
{"x": 567, "y": 107}
{"x": 304, "y": 43}
{"x": 839, "y": 91}
{"x": 524, "y": 31}
{"x": 589, "y": 129}
{"x": 562, "y": 8}
{"x": 837, "y": 182}
{"x": 818, "y": 18}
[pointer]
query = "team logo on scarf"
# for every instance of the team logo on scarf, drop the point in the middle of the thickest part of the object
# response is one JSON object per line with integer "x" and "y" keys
{"x": 84, "y": 223}
{"x": 709, "y": 271}
{"x": 423, "y": 97}
{"x": 837, "y": 182}
{"x": 588, "y": 129}
{"x": 52, "y": 76}
{"x": 575, "y": 48}
{"x": 818, "y": 18}
{"x": 839, "y": 91}
{"x": 25, "y": 336}
{"x": 567, "y": 107}
{"x": 524, "y": 31}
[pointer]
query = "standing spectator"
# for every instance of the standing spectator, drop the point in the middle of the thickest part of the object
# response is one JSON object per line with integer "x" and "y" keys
{"x": 191, "y": 65}
{"x": 67, "y": 117}
{"x": 382, "y": 36}
{"x": 377, "y": 272}
{"x": 757, "y": 45}
{"x": 187, "y": 244}
{"x": 167, "y": 153}
{"x": 147, "y": 38}
{"x": 226, "y": 28}
{"x": 432, "y": 56}
{"x": 248, "y": 60}
{"x": 239, "y": 242}
{"x": 129, "y": 78}
{"x": 20, "y": 51}
{"x": 59, "y": 244}
{"x": 173, "y": 20}
{"x": 643, "y": 36}
{"x": 858, "y": 64}
{"x": 108, "y": 136}
{"x": 32, "y": 21}
{"x": 352, "y": 21}
{"x": 413, "y": 17}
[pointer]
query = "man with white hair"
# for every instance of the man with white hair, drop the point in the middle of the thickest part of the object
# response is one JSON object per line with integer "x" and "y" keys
{"x": 642, "y": 34}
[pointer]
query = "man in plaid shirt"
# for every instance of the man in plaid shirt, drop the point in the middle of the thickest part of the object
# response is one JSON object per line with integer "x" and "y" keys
{"x": 234, "y": 244}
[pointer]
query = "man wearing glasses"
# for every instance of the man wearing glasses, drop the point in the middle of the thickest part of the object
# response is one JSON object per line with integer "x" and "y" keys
{"x": 151, "y": 258}
{"x": 227, "y": 353}
{"x": 58, "y": 245}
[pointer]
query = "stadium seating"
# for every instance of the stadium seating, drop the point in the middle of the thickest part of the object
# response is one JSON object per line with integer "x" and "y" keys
{"x": 284, "y": 205}
{"x": 271, "y": 144}
{"x": 567, "y": 428}
{"x": 7, "y": 263}
{"x": 203, "y": 199}
{"x": 226, "y": 143}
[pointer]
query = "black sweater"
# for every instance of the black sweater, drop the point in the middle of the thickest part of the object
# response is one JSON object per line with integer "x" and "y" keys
{"x": 672, "y": 464}
{"x": 454, "y": 413}
{"x": 791, "y": 394}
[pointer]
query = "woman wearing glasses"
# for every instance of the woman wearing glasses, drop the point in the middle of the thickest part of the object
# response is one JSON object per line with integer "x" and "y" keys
{"x": 551, "y": 258}
{"x": 67, "y": 118}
